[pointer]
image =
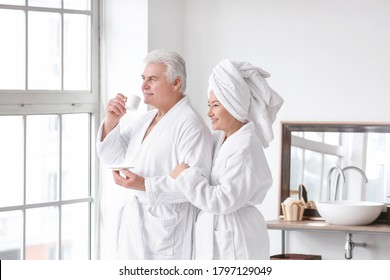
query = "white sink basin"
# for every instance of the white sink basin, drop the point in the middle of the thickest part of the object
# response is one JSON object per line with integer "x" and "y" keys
{"x": 349, "y": 213}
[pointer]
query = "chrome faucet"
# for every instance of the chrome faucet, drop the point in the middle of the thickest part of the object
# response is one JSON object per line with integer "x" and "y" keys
{"x": 341, "y": 173}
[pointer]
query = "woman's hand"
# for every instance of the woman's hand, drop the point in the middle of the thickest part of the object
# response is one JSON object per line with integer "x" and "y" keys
{"x": 179, "y": 169}
{"x": 128, "y": 179}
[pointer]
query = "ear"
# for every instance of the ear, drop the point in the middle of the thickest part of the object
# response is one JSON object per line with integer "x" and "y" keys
{"x": 176, "y": 84}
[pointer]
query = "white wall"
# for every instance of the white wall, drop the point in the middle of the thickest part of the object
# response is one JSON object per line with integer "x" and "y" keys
{"x": 124, "y": 41}
{"x": 166, "y": 29}
{"x": 329, "y": 60}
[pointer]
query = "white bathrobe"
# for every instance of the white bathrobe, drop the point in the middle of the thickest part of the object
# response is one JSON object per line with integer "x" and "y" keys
{"x": 229, "y": 226}
{"x": 164, "y": 231}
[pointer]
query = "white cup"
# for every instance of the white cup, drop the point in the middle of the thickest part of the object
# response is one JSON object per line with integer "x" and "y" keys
{"x": 132, "y": 102}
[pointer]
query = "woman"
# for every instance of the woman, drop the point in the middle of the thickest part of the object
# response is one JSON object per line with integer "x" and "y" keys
{"x": 242, "y": 110}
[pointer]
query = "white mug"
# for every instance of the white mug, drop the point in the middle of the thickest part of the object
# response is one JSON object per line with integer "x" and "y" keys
{"x": 132, "y": 102}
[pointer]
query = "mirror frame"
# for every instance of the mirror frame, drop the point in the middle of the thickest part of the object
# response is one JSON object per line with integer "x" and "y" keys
{"x": 288, "y": 127}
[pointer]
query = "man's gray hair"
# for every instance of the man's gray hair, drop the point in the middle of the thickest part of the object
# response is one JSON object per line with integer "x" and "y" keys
{"x": 176, "y": 66}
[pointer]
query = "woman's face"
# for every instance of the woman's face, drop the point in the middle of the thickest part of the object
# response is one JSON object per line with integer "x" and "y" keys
{"x": 220, "y": 118}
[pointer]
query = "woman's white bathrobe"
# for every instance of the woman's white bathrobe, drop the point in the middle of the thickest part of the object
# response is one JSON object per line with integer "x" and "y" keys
{"x": 229, "y": 226}
{"x": 164, "y": 231}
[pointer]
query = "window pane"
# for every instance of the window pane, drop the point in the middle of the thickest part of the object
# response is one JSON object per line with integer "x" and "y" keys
{"x": 74, "y": 244}
{"x": 377, "y": 164}
{"x": 12, "y": 49}
{"x": 332, "y": 138}
{"x": 75, "y": 156}
{"x": 387, "y": 187}
{"x": 45, "y": 3}
{"x": 76, "y": 52}
{"x": 11, "y": 233}
{"x": 296, "y": 168}
{"x": 42, "y": 156}
{"x": 11, "y": 161}
{"x": 77, "y": 4}
{"x": 12, "y": 2}
{"x": 314, "y": 136}
{"x": 44, "y": 50}
{"x": 312, "y": 173}
{"x": 297, "y": 133}
{"x": 42, "y": 233}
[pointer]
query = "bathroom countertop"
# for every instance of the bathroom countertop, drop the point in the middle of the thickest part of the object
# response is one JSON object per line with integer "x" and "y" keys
{"x": 320, "y": 225}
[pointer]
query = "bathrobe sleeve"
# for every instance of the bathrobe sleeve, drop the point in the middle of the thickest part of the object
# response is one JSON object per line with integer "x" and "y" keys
{"x": 244, "y": 181}
{"x": 112, "y": 150}
{"x": 194, "y": 147}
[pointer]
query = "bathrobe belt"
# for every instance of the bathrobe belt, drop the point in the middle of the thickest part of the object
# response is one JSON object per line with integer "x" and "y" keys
{"x": 132, "y": 212}
{"x": 204, "y": 236}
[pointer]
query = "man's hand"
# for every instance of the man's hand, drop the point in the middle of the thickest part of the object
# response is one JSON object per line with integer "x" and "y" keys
{"x": 115, "y": 110}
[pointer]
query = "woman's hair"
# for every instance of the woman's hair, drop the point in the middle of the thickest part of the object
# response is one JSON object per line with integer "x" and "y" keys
{"x": 176, "y": 66}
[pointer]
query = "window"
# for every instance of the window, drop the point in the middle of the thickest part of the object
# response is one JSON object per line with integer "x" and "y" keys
{"x": 378, "y": 167}
{"x": 48, "y": 112}
{"x": 312, "y": 155}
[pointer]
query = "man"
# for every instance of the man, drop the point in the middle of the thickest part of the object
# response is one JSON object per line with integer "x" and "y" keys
{"x": 155, "y": 225}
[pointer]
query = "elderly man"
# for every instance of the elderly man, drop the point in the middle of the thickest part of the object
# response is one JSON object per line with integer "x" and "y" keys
{"x": 154, "y": 225}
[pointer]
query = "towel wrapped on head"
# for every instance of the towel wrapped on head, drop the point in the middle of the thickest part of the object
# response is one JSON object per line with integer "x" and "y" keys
{"x": 242, "y": 89}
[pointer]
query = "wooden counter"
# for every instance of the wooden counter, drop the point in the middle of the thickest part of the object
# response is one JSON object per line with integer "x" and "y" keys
{"x": 319, "y": 225}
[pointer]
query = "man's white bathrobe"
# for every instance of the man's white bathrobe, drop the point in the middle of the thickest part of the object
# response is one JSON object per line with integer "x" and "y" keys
{"x": 164, "y": 231}
{"x": 229, "y": 226}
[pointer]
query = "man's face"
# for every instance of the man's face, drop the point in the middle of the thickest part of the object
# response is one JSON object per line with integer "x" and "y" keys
{"x": 155, "y": 87}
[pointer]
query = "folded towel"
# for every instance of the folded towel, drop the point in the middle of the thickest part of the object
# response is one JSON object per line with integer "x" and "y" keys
{"x": 243, "y": 91}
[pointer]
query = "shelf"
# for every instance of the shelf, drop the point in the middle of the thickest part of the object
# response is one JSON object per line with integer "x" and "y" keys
{"x": 317, "y": 225}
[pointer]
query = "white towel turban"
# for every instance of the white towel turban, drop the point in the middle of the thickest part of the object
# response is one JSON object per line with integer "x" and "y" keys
{"x": 242, "y": 89}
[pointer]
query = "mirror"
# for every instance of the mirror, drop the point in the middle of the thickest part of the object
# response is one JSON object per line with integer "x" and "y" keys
{"x": 309, "y": 150}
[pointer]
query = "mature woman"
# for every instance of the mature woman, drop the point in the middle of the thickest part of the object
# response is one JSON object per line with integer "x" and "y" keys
{"x": 242, "y": 110}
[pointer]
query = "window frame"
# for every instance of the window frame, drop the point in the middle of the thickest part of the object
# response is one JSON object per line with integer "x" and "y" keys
{"x": 58, "y": 102}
